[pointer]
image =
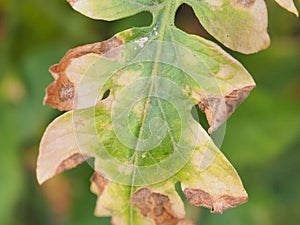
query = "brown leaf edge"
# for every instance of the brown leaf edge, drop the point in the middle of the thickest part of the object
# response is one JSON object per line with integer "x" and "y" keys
{"x": 152, "y": 205}
{"x": 217, "y": 109}
{"x": 58, "y": 149}
{"x": 218, "y": 204}
{"x": 69, "y": 163}
{"x": 61, "y": 94}
{"x": 157, "y": 207}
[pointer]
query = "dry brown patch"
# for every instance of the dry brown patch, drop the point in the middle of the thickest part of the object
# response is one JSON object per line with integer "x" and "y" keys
{"x": 61, "y": 94}
{"x": 217, "y": 204}
{"x": 70, "y": 163}
{"x": 157, "y": 207}
{"x": 217, "y": 110}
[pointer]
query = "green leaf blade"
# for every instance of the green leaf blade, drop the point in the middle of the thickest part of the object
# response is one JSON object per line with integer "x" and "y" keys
{"x": 111, "y": 9}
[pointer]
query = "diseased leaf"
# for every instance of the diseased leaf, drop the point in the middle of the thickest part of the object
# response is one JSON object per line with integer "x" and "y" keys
{"x": 232, "y": 82}
{"x": 207, "y": 190}
{"x": 67, "y": 74}
{"x": 238, "y": 24}
{"x": 148, "y": 205}
{"x": 139, "y": 103}
{"x": 130, "y": 100}
{"x": 207, "y": 180}
{"x": 288, "y": 5}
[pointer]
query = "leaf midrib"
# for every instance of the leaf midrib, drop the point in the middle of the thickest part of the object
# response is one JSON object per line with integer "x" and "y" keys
{"x": 163, "y": 25}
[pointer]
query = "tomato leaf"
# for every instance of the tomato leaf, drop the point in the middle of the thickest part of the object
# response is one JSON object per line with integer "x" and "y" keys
{"x": 130, "y": 100}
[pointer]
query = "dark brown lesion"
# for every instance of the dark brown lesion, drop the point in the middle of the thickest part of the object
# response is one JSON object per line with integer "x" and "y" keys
{"x": 218, "y": 109}
{"x": 61, "y": 94}
{"x": 66, "y": 93}
{"x": 157, "y": 207}
{"x": 70, "y": 162}
{"x": 216, "y": 204}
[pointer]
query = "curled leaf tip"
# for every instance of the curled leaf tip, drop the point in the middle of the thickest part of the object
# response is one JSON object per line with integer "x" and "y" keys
{"x": 218, "y": 109}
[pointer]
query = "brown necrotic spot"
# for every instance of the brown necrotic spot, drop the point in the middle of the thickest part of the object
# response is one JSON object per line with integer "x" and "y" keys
{"x": 60, "y": 94}
{"x": 66, "y": 93}
{"x": 216, "y": 204}
{"x": 157, "y": 207}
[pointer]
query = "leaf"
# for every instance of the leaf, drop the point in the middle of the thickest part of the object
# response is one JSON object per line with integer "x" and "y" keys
{"x": 288, "y": 5}
{"x": 111, "y": 10}
{"x": 238, "y": 24}
{"x": 130, "y": 100}
{"x": 114, "y": 152}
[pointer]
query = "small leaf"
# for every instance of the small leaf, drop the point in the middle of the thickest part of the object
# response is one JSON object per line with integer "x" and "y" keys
{"x": 288, "y": 5}
{"x": 111, "y": 9}
{"x": 238, "y": 24}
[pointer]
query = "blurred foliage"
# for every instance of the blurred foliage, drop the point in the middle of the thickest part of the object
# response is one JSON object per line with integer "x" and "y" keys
{"x": 262, "y": 137}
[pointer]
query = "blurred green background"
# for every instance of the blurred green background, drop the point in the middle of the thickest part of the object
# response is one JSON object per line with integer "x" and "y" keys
{"x": 262, "y": 137}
